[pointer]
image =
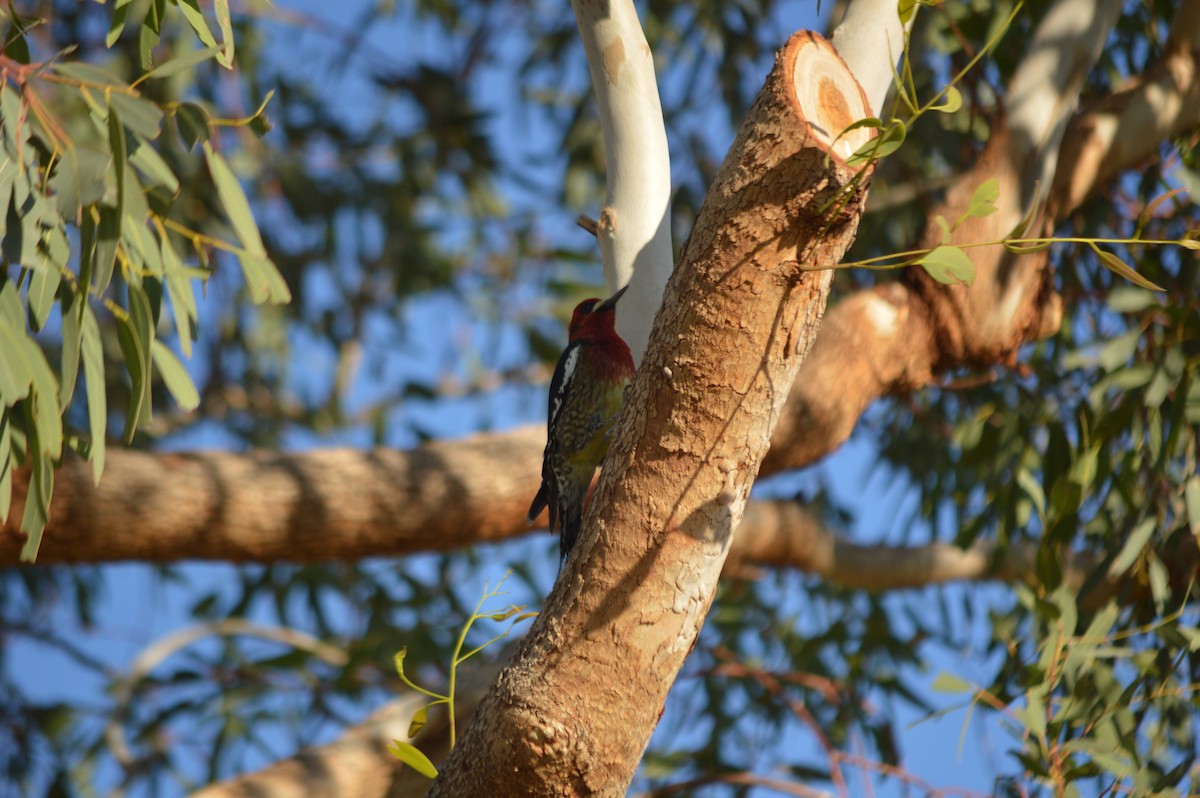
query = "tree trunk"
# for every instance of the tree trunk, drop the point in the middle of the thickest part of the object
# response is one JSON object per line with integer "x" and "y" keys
{"x": 573, "y": 712}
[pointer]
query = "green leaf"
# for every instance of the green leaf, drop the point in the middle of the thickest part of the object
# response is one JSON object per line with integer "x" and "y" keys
{"x": 191, "y": 12}
{"x": 1034, "y": 715}
{"x": 117, "y": 26}
{"x": 183, "y": 299}
{"x": 221, "y": 7}
{"x": 949, "y": 683}
{"x": 949, "y": 265}
{"x": 72, "y": 336}
{"x": 1133, "y": 546}
{"x": 108, "y": 234}
{"x": 176, "y": 377}
{"x": 983, "y": 201}
{"x": 183, "y": 62}
{"x": 410, "y": 755}
{"x": 1119, "y": 350}
{"x": 952, "y": 103}
{"x": 88, "y": 74}
{"x": 42, "y": 290}
{"x": 1160, "y": 583}
{"x": 1122, "y": 269}
{"x": 881, "y": 146}
{"x": 37, "y": 501}
{"x": 1191, "y": 493}
{"x": 139, "y": 115}
{"x": 1127, "y": 299}
{"x": 7, "y": 464}
{"x": 1047, "y": 567}
{"x": 135, "y": 334}
{"x": 152, "y": 165}
{"x": 154, "y": 15}
{"x": 15, "y": 375}
{"x": 234, "y": 200}
{"x": 265, "y": 282}
{"x": 192, "y": 122}
{"x": 78, "y": 179}
{"x": 11, "y": 309}
{"x": 419, "y": 719}
{"x": 945, "y": 227}
{"x": 148, "y": 38}
{"x": 1098, "y": 630}
{"x": 1033, "y": 489}
{"x": 15, "y": 46}
{"x": 93, "y": 371}
{"x": 47, "y": 412}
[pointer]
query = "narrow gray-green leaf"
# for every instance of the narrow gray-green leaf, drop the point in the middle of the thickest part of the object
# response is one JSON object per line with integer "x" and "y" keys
{"x": 191, "y": 12}
{"x": 949, "y": 683}
{"x": 412, "y": 756}
{"x": 139, "y": 114}
{"x": 1123, "y": 269}
{"x": 176, "y": 377}
{"x": 43, "y": 287}
{"x": 264, "y": 280}
{"x": 152, "y": 165}
{"x": 72, "y": 336}
{"x": 192, "y": 121}
{"x": 15, "y": 374}
{"x": 88, "y": 74}
{"x": 1133, "y": 546}
{"x": 234, "y": 200}
{"x": 225, "y": 23}
{"x": 47, "y": 412}
{"x": 183, "y": 299}
{"x": 183, "y": 62}
{"x": 93, "y": 372}
{"x": 1127, "y": 299}
{"x": 37, "y": 502}
{"x": 131, "y": 349}
{"x": 1192, "y": 498}
{"x": 120, "y": 14}
{"x": 7, "y": 464}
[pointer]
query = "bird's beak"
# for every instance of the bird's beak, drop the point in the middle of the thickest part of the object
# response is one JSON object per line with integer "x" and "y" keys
{"x": 611, "y": 301}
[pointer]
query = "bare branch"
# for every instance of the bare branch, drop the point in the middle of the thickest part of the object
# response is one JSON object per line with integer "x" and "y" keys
{"x": 634, "y": 231}
{"x": 1128, "y": 127}
{"x": 869, "y": 31}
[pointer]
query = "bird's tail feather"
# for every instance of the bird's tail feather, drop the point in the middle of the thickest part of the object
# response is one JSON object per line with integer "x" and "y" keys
{"x": 539, "y": 503}
{"x": 571, "y": 524}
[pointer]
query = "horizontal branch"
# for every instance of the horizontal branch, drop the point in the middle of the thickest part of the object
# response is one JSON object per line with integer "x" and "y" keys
{"x": 343, "y": 504}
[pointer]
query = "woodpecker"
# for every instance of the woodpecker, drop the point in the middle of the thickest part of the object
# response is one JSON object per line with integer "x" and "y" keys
{"x": 586, "y": 394}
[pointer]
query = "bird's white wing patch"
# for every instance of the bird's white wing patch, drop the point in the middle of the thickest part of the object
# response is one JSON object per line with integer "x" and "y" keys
{"x": 562, "y": 378}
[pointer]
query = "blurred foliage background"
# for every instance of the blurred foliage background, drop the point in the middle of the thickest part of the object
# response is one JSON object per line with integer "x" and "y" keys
{"x": 415, "y": 173}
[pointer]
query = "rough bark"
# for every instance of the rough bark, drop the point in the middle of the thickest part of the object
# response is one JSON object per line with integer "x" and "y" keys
{"x": 573, "y": 712}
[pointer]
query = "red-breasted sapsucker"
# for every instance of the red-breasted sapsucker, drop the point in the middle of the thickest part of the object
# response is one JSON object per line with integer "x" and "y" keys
{"x": 586, "y": 394}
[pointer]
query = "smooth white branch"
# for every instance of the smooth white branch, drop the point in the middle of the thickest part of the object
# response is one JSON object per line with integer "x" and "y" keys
{"x": 634, "y": 230}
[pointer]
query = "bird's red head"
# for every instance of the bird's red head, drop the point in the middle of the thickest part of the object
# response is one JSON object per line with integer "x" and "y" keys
{"x": 594, "y": 318}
